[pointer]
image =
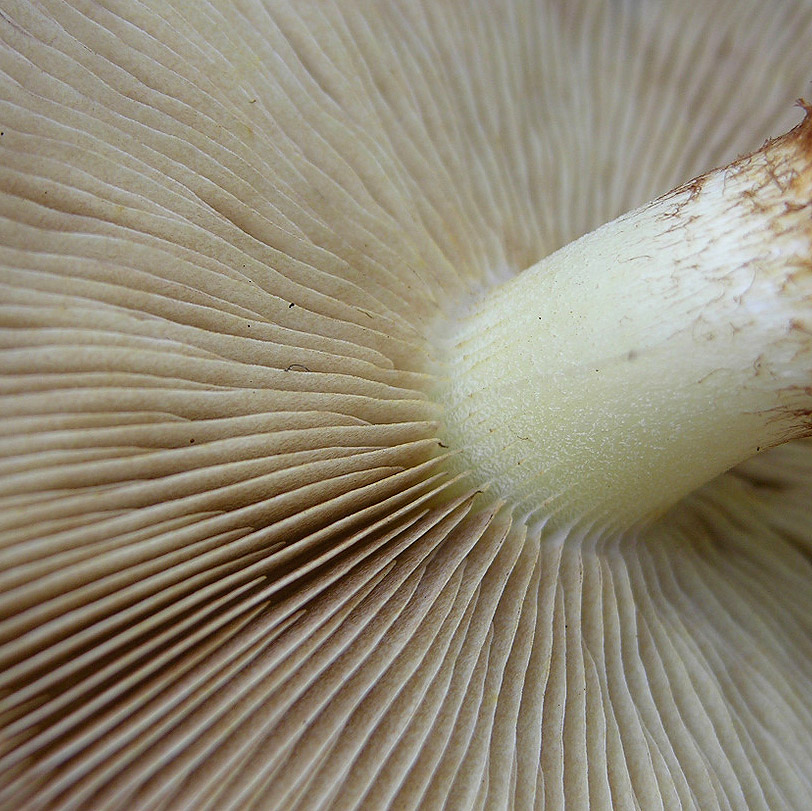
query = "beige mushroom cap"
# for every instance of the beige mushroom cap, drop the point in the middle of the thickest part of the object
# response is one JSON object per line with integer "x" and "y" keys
{"x": 236, "y": 570}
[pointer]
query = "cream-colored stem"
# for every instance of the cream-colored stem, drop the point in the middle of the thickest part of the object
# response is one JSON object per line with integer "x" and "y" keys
{"x": 630, "y": 367}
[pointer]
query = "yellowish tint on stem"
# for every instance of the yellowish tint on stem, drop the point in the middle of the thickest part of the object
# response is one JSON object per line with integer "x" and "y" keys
{"x": 615, "y": 376}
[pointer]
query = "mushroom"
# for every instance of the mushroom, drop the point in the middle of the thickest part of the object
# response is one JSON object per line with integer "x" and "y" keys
{"x": 312, "y": 496}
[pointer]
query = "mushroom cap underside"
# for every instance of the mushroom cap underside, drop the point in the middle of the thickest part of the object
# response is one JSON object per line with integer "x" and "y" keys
{"x": 236, "y": 571}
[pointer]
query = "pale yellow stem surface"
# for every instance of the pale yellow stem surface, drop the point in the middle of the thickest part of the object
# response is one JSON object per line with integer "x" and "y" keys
{"x": 628, "y": 368}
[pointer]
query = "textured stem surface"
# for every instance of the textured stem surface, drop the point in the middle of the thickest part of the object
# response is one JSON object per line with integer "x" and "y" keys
{"x": 620, "y": 373}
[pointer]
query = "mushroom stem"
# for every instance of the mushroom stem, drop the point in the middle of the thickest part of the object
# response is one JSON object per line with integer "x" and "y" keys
{"x": 628, "y": 368}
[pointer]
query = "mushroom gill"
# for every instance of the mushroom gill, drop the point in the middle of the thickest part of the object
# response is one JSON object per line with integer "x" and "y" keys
{"x": 240, "y": 566}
